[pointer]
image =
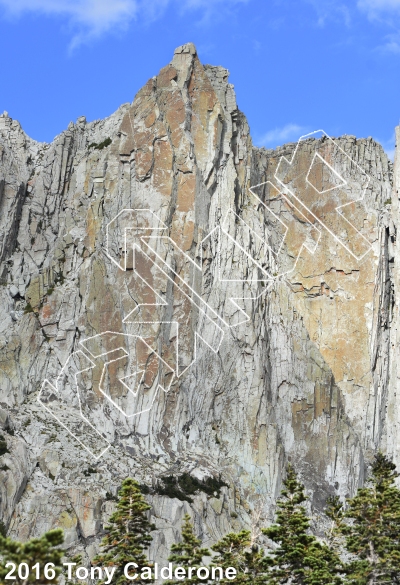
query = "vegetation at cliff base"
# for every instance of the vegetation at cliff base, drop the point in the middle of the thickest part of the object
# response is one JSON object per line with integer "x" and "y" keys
{"x": 300, "y": 558}
{"x": 32, "y": 559}
{"x": 188, "y": 553}
{"x": 362, "y": 546}
{"x": 184, "y": 486}
{"x": 373, "y": 534}
{"x": 236, "y": 550}
{"x": 128, "y": 535}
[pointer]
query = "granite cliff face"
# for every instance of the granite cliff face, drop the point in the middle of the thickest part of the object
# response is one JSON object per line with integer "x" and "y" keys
{"x": 237, "y": 352}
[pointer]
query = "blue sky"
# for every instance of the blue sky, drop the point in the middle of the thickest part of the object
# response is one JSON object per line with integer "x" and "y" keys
{"x": 297, "y": 65}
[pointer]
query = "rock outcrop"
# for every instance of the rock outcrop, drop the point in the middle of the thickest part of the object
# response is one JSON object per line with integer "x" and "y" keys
{"x": 237, "y": 352}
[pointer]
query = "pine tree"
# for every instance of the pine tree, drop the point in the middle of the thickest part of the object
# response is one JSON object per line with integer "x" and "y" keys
{"x": 334, "y": 536}
{"x": 77, "y": 559}
{"x": 188, "y": 553}
{"x": 38, "y": 551}
{"x": 374, "y": 534}
{"x": 300, "y": 559}
{"x": 236, "y": 550}
{"x": 128, "y": 536}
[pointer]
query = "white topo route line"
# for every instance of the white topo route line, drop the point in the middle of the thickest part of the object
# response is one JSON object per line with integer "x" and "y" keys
{"x": 140, "y": 231}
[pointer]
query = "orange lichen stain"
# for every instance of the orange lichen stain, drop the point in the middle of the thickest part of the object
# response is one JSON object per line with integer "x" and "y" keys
{"x": 145, "y": 92}
{"x": 143, "y": 268}
{"x": 204, "y": 100}
{"x": 91, "y": 231}
{"x": 162, "y": 173}
{"x": 188, "y": 233}
{"x": 47, "y": 312}
{"x": 186, "y": 192}
{"x": 165, "y": 76}
{"x": 150, "y": 119}
{"x": 321, "y": 398}
{"x": 302, "y": 415}
{"x": 175, "y": 116}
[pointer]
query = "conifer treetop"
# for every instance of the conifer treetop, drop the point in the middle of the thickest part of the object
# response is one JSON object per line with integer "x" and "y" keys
{"x": 128, "y": 535}
{"x": 188, "y": 553}
{"x": 42, "y": 550}
{"x": 300, "y": 558}
{"x": 374, "y": 533}
{"x": 235, "y": 550}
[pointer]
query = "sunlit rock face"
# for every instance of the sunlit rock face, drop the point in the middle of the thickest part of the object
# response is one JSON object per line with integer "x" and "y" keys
{"x": 176, "y": 300}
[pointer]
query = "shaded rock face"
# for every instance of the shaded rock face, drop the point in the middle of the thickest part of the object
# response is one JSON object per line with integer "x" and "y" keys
{"x": 149, "y": 303}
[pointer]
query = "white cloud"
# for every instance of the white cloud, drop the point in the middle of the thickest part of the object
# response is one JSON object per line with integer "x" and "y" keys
{"x": 375, "y": 6}
{"x": 92, "y": 18}
{"x": 89, "y": 18}
{"x": 382, "y": 10}
{"x": 210, "y": 4}
{"x": 210, "y": 10}
{"x": 278, "y": 136}
{"x": 328, "y": 10}
{"x": 391, "y": 46}
{"x": 386, "y": 12}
